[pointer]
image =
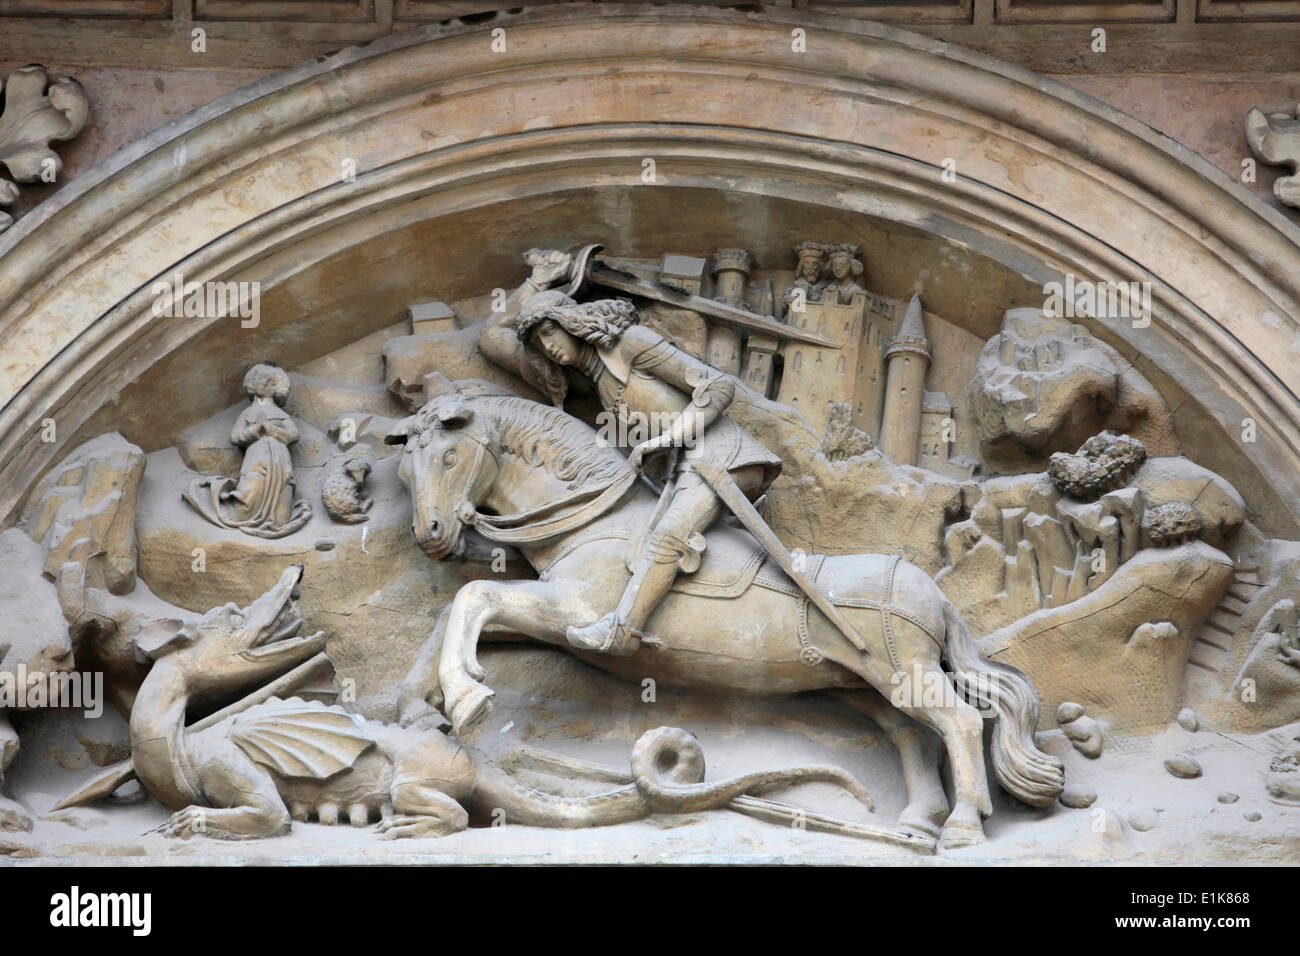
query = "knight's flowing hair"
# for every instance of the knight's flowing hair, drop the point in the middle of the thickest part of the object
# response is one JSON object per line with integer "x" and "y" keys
{"x": 600, "y": 323}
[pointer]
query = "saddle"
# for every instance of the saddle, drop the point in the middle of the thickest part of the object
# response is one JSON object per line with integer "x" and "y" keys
{"x": 733, "y": 562}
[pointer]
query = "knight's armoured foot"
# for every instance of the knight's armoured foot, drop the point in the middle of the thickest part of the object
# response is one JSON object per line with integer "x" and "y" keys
{"x": 610, "y": 635}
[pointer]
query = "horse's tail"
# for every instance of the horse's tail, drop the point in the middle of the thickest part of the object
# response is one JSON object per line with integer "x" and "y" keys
{"x": 1023, "y": 770}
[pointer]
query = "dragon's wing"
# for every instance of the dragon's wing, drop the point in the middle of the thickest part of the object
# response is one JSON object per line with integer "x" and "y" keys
{"x": 296, "y": 738}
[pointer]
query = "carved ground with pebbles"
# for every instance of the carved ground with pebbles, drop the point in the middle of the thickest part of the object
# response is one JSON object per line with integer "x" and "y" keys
{"x": 579, "y": 712}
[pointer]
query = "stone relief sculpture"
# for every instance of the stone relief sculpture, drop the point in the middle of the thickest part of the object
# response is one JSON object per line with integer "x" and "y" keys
{"x": 672, "y": 402}
{"x": 1275, "y": 138}
{"x": 263, "y": 763}
{"x": 741, "y": 538}
{"x": 263, "y": 500}
{"x": 809, "y": 273}
{"x": 343, "y": 494}
{"x": 36, "y": 648}
{"x": 845, "y": 268}
{"x": 1284, "y": 774}
{"x": 570, "y": 506}
{"x": 1044, "y": 384}
{"x": 37, "y": 112}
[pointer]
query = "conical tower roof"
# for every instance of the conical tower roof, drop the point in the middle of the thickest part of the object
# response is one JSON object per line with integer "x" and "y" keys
{"x": 911, "y": 334}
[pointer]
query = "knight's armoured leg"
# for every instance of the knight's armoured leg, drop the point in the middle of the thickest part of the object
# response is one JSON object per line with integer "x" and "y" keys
{"x": 673, "y": 545}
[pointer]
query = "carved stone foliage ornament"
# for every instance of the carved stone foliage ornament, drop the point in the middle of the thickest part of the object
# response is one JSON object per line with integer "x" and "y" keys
{"x": 37, "y": 112}
{"x": 1275, "y": 138}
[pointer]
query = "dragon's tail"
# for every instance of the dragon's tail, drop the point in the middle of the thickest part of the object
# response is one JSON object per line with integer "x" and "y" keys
{"x": 668, "y": 775}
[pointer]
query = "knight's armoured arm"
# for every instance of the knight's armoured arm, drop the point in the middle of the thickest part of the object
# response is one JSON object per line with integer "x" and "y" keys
{"x": 498, "y": 341}
{"x": 711, "y": 391}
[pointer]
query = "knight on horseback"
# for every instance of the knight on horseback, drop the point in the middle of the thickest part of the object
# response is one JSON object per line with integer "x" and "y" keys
{"x": 679, "y": 403}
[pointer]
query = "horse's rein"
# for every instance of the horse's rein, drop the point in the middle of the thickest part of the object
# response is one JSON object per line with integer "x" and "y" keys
{"x": 531, "y": 527}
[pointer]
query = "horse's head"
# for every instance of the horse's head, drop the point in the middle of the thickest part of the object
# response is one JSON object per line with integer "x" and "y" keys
{"x": 448, "y": 467}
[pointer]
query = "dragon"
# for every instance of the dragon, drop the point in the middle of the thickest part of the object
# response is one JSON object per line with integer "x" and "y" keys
{"x": 252, "y": 773}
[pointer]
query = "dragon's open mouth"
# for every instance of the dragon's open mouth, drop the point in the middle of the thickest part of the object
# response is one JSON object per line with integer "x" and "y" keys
{"x": 287, "y": 624}
{"x": 281, "y": 634}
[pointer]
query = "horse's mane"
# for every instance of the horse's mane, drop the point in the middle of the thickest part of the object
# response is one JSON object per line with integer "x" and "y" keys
{"x": 543, "y": 436}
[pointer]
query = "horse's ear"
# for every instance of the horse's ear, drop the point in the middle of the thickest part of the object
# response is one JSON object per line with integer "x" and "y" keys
{"x": 455, "y": 414}
{"x": 400, "y": 432}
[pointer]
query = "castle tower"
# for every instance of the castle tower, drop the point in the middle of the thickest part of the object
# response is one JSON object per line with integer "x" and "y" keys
{"x": 815, "y": 377}
{"x": 907, "y": 360}
{"x": 731, "y": 268}
{"x": 869, "y": 391}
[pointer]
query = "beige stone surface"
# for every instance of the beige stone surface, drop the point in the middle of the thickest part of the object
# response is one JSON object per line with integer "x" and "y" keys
{"x": 1160, "y": 593}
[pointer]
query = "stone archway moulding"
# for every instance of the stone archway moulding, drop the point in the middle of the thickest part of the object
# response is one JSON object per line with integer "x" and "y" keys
{"x": 1049, "y": 181}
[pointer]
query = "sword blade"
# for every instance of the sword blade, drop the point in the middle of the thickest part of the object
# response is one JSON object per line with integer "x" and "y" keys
{"x": 728, "y": 314}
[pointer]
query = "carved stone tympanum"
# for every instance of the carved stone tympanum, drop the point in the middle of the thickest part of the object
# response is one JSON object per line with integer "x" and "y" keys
{"x": 784, "y": 446}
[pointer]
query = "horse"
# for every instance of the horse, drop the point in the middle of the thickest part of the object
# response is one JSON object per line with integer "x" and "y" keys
{"x": 542, "y": 481}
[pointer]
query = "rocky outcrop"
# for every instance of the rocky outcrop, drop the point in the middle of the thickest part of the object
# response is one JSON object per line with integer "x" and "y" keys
{"x": 34, "y": 643}
{"x": 83, "y": 510}
{"x": 857, "y": 500}
{"x": 409, "y": 358}
{"x": 1120, "y": 652}
{"x": 1038, "y": 541}
{"x": 33, "y": 636}
{"x": 1045, "y": 384}
{"x": 1104, "y": 462}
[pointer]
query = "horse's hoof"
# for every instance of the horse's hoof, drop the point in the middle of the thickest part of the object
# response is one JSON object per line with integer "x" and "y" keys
{"x": 471, "y": 709}
{"x": 918, "y": 825}
{"x": 957, "y": 836}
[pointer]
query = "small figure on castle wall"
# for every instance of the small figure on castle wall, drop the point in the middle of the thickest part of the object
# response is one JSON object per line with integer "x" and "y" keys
{"x": 809, "y": 275}
{"x": 844, "y": 264}
{"x": 262, "y": 501}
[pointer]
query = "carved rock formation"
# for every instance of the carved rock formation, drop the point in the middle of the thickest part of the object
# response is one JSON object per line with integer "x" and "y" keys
{"x": 1097, "y": 650}
{"x": 34, "y": 636}
{"x": 1044, "y": 385}
{"x": 1283, "y": 784}
{"x": 34, "y": 644}
{"x": 106, "y": 629}
{"x": 1036, "y": 541}
{"x": 828, "y": 506}
{"x": 1083, "y": 732}
{"x": 843, "y": 440}
{"x": 84, "y": 511}
{"x": 1104, "y": 462}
